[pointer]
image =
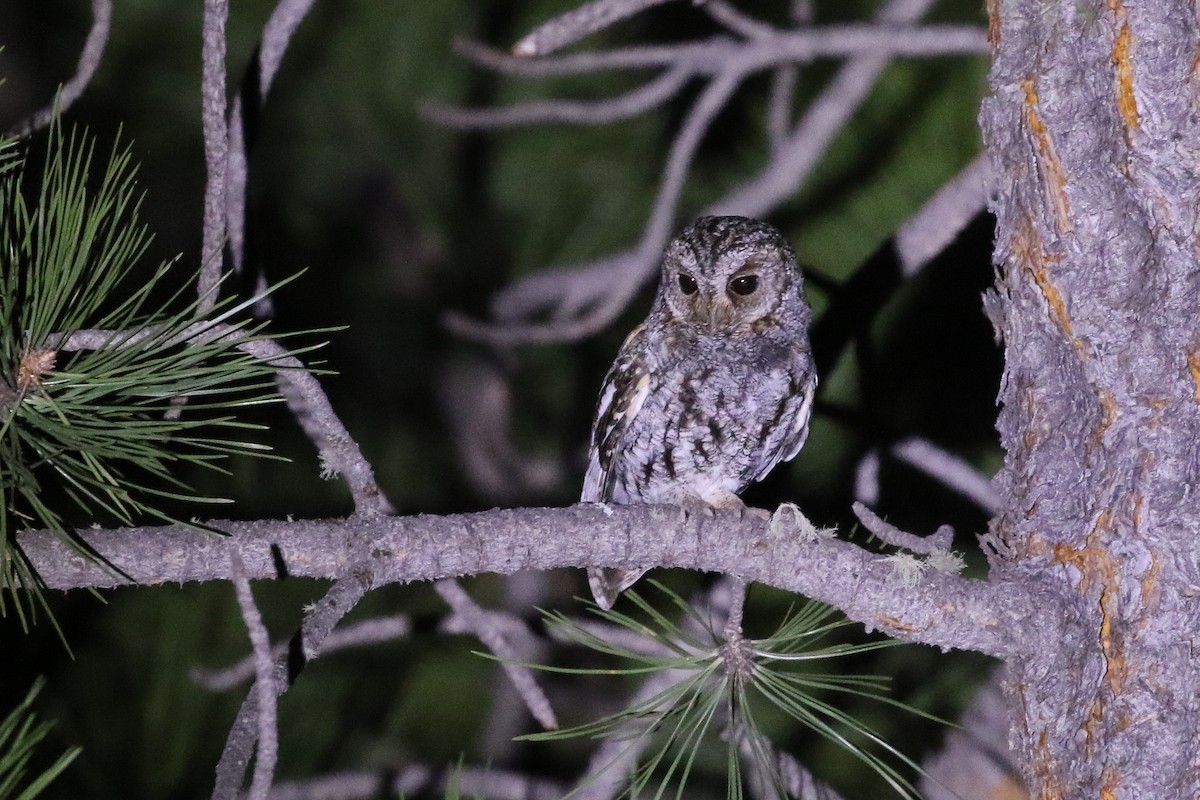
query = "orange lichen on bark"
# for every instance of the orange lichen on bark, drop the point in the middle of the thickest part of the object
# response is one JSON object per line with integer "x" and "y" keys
{"x": 1054, "y": 178}
{"x": 1193, "y": 365}
{"x": 1109, "y": 786}
{"x": 888, "y": 621}
{"x": 1097, "y": 565}
{"x": 993, "y": 15}
{"x": 1108, "y": 405}
{"x": 1045, "y": 771}
{"x": 1123, "y": 66}
{"x": 1027, "y": 247}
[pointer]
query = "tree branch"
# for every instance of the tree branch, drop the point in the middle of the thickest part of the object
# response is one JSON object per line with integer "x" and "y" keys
{"x": 359, "y": 634}
{"x": 577, "y": 23}
{"x": 993, "y": 617}
{"x": 89, "y": 61}
{"x": 276, "y": 35}
{"x": 216, "y": 150}
{"x": 308, "y": 402}
{"x": 318, "y": 623}
{"x": 482, "y": 625}
{"x": 264, "y": 691}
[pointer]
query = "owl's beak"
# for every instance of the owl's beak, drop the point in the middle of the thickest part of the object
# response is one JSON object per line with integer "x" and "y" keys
{"x": 720, "y": 314}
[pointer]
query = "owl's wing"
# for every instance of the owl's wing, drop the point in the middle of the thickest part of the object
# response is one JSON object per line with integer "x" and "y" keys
{"x": 784, "y": 441}
{"x": 625, "y": 390}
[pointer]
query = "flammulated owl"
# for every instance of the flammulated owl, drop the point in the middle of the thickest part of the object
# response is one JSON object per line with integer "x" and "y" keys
{"x": 714, "y": 388}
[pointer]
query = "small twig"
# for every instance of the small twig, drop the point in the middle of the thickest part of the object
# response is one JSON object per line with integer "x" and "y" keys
{"x": 358, "y": 634}
{"x": 646, "y": 97}
{"x": 476, "y": 397}
{"x": 718, "y": 53}
{"x": 866, "y": 479}
{"x": 937, "y": 542}
{"x": 679, "y": 161}
{"x": 216, "y": 151}
{"x": 308, "y": 402}
{"x": 950, "y": 470}
{"x": 481, "y": 624}
{"x": 264, "y": 690}
{"x": 89, "y": 61}
{"x": 736, "y": 21}
{"x": 975, "y": 759}
{"x": 318, "y": 623}
{"x": 577, "y": 23}
{"x": 277, "y": 33}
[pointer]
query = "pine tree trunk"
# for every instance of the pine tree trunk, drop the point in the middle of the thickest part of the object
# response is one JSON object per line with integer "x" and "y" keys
{"x": 1093, "y": 126}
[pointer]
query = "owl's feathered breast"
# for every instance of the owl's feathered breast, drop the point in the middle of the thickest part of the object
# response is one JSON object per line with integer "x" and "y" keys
{"x": 688, "y": 413}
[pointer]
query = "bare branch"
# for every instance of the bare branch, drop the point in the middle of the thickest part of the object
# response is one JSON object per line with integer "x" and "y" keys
{"x": 264, "y": 691}
{"x": 976, "y": 762}
{"x": 827, "y": 115}
{"x": 943, "y": 216}
{"x": 476, "y": 397}
{"x": 950, "y": 470}
{"x": 318, "y": 623}
{"x": 479, "y": 623}
{"x": 719, "y": 53}
{"x": 216, "y": 150}
{"x": 735, "y": 21}
{"x": 798, "y": 782}
{"x": 277, "y": 33}
{"x": 937, "y": 542}
{"x": 577, "y": 23}
{"x": 583, "y": 112}
{"x": 945, "y": 610}
{"x": 89, "y": 61}
{"x": 779, "y": 109}
{"x": 359, "y": 634}
{"x": 584, "y": 300}
{"x": 622, "y": 286}
{"x": 309, "y": 404}
{"x": 866, "y": 479}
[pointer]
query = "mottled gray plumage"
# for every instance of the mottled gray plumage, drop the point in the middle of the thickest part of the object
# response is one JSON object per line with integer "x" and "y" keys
{"x": 714, "y": 388}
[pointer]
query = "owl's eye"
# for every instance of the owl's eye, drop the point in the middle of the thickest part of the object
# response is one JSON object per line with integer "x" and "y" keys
{"x": 744, "y": 284}
{"x": 687, "y": 284}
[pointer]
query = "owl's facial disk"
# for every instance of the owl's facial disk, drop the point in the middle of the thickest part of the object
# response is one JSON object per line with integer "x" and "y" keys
{"x": 727, "y": 297}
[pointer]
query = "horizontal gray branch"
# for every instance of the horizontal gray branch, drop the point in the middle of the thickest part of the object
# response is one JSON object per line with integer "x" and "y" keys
{"x": 993, "y": 617}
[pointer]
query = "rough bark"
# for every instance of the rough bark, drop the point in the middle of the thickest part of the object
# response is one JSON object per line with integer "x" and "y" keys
{"x": 942, "y": 609}
{"x": 1094, "y": 131}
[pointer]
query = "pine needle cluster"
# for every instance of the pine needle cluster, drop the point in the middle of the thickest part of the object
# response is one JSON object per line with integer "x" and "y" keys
{"x": 110, "y": 381}
{"x": 720, "y": 687}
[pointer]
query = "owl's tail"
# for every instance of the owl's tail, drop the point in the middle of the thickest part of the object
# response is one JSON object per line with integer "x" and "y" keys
{"x": 607, "y": 584}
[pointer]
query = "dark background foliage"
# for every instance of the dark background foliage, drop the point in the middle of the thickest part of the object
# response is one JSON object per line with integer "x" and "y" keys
{"x": 397, "y": 222}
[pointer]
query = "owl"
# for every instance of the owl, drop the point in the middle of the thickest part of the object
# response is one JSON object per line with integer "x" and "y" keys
{"x": 714, "y": 389}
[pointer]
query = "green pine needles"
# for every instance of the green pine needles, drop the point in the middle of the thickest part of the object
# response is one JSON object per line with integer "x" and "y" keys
{"x": 109, "y": 380}
{"x": 718, "y": 690}
{"x": 20, "y": 733}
